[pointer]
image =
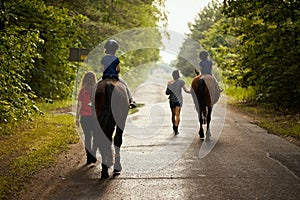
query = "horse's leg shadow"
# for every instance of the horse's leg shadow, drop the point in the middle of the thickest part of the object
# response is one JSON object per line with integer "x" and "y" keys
{"x": 208, "y": 134}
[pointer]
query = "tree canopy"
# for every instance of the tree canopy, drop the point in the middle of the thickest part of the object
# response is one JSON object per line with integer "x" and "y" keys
{"x": 36, "y": 36}
{"x": 255, "y": 43}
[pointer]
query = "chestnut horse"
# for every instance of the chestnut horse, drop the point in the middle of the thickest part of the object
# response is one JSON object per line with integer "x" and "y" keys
{"x": 205, "y": 94}
{"x": 111, "y": 107}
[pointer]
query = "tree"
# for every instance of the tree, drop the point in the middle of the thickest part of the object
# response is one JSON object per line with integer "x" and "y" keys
{"x": 269, "y": 48}
{"x": 189, "y": 52}
{"x": 35, "y": 40}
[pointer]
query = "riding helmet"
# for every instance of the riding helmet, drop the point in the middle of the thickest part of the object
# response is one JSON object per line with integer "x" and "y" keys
{"x": 111, "y": 46}
{"x": 203, "y": 55}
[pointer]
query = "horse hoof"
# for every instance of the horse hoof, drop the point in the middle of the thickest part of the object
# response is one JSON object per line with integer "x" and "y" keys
{"x": 116, "y": 172}
{"x": 104, "y": 175}
{"x": 201, "y": 133}
{"x": 175, "y": 129}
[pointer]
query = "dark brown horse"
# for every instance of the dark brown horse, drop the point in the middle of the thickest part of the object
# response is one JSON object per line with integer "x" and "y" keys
{"x": 111, "y": 107}
{"x": 205, "y": 94}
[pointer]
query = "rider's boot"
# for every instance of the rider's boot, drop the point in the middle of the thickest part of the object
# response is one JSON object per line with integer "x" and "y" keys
{"x": 132, "y": 104}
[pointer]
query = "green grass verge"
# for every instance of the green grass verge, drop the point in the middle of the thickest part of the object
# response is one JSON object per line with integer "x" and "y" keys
{"x": 240, "y": 94}
{"x": 274, "y": 119}
{"x": 32, "y": 145}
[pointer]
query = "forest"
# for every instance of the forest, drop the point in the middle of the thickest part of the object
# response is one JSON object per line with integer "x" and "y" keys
{"x": 254, "y": 44}
{"x": 36, "y": 36}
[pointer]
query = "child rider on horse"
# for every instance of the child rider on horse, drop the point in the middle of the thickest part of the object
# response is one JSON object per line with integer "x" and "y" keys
{"x": 206, "y": 66}
{"x": 111, "y": 66}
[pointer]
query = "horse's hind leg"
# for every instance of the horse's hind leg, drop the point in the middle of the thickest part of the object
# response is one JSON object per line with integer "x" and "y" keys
{"x": 201, "y": 131}
{"x": 209, "y": 111}
{"x": 118, "y": 139}
{"x": 105, "y": 148}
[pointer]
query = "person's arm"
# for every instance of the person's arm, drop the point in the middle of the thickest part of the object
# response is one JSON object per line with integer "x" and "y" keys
{"x": 79, "y": 105}
{"x": 186, "y": 90}
{"x": 118, "y": 68}
{"x": 168, "y": 91}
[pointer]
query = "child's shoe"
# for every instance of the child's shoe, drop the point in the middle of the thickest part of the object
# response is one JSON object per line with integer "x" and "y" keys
{"x": 132, "y": 104}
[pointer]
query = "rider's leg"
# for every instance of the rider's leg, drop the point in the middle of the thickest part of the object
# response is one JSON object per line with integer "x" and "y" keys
{"x": 131, "y": 101}
{"x": 217, "y": 84}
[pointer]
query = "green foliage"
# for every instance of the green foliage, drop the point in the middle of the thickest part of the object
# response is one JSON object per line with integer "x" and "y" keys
{"x": 240, "y": 94}
{"x": 187, "y": 60}
{"x": 255, "y": 44}
{"x": 17, "y": 53}
{"x": 269, "y": 48}
{"x": 36, "y": 36}
{"x": 273, "y": 119}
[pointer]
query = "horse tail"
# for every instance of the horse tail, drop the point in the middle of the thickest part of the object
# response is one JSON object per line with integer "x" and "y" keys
{"x": 201, "y": 90}
{"x": 106, "y": 118}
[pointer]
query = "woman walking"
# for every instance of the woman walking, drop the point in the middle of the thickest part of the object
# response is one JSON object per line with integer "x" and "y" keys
{"x": 174, "y": 90}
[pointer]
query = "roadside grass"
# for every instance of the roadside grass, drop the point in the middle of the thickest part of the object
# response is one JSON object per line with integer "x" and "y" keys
{"x": 274, "y": 119}
{"x": 32, "y": 145}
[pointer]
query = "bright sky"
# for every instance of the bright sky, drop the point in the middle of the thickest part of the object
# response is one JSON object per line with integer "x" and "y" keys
{"x": 180, "y": 13}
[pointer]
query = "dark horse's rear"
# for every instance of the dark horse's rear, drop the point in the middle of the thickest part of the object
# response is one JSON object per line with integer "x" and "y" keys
{"x": 205, "y": 94}
{"x": 111, "y": 107}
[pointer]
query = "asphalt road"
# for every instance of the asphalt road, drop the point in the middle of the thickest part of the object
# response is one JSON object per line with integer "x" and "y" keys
{"x": 241, "y": 161}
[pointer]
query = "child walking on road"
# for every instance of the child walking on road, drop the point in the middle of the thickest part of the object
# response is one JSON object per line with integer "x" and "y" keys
{"x": 86, "y": 117}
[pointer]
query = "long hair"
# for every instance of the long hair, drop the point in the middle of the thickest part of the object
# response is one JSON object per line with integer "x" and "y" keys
{"x": 88, "y": 81}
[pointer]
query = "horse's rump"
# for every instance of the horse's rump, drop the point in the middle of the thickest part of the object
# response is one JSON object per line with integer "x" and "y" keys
{"x": 202, "y": 85}
{"x": 111, "y": 104}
